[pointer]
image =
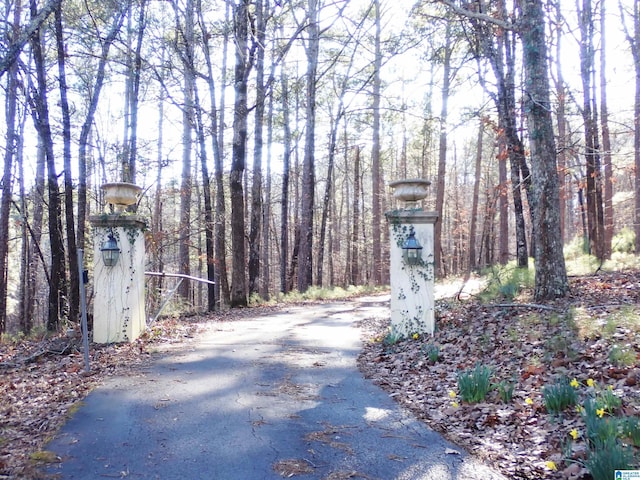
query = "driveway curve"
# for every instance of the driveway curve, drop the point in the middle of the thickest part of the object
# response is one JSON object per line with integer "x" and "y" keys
{"x": 267, "y": 397}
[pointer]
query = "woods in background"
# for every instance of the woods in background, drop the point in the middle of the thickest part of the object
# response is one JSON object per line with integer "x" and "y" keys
{"x": 264, "y": 134}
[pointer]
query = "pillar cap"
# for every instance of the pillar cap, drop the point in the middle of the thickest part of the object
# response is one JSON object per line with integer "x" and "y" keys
{"x": 416, "y": 216}
{"x": 118, "y": 220}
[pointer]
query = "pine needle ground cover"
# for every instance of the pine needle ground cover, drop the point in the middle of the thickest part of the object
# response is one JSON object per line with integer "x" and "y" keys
{"x": 564, "y": 378}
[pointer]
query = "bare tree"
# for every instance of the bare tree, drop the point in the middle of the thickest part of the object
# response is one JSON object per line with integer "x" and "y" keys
{"x": 633, "y": 37}
{"x": 376, "y": 192}
{"x": 551, "y": 275}
{"x": 284, "y": 202}
{"x": 256, "y": 185}
{"x": 473, "y": 260}
{"x": 240, "y": 113}
{"x": 593, "y": 180}
{"x": 57, "y": 277}
{"x": 12, "y": 138}
{"x": 606, "y": 140}
{"x": 74, "y": 278}
{"x": 305, "y": 253}
{"x": 185, "y": 47}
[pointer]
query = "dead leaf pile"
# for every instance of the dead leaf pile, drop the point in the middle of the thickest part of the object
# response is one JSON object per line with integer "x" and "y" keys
{"x": 527, "y": 346}
{"x": 43, "y": 381}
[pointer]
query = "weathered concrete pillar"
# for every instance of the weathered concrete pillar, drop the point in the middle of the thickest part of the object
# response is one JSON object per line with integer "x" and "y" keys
{"x": 118, "y": 304}
{"x": 412, "y": 285}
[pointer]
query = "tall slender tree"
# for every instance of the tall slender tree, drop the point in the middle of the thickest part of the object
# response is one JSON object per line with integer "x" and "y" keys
{"x": 11, "y": 100}
{"x": 593, "y": 180}
{"x": 376, "y": 191}
{"x": 74, "y": 277}
{"x": 240, "y": 113}
{"x": 633, "y": 37}
{"x": 443, "y": 145}
{"x": 261, "y": 7}
{"x": 551, "y": 275}
{"x": 57, "y": 275}
{"x": 185, "y": 45}
{"x": 606, "y": 138}
{"x": 305, "y": 253}
{"x": 286, "y": 166}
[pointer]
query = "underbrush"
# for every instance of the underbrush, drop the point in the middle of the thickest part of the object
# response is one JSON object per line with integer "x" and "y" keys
{"x": 315, "y": 294}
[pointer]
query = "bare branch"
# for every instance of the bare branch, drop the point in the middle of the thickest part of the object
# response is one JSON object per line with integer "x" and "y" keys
{"x": 478, "y": 16}
{"x": 16, "y": 47}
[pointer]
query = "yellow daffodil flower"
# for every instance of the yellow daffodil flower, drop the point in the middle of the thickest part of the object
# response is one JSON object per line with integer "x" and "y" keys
{"x": 551, "y": 465}
{"x": 574, "y": 434}
{"x": 416, "y": 336}
{"x": 452, "y": 394}
{"x": 591, "y": 382}
{"x": 600, "y": 412}
{"x": 455, "y": 404}
{"x": 574, "y": 383}
{"x": 528, "y": 401}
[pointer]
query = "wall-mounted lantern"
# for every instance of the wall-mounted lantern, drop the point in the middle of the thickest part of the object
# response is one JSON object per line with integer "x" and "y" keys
{"x": 110, "y": 251}
{"x": 411, "y": 249}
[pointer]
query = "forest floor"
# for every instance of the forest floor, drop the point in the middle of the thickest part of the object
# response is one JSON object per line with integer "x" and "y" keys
{"x": 592, "y": 336}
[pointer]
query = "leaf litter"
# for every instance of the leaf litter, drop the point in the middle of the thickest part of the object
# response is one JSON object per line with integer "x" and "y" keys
{"x": 526, "y": 346}
{"x": 43, "y": 381}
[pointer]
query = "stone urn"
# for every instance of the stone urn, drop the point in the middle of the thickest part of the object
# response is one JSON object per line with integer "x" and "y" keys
{"x": 410, "y": 190}
{"x": 121, "y": 194}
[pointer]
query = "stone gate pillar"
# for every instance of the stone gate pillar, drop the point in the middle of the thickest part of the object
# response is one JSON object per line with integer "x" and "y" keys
{"x": 412, "y": 283}
{"x": 118, "y": 304}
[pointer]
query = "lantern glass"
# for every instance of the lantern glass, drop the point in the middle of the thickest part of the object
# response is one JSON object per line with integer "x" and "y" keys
{"x": 412, "y": 250}
{"x": 110, "y": 251}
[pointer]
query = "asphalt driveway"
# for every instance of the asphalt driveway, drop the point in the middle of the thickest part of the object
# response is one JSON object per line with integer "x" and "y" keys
{"x": 269, "y": 397}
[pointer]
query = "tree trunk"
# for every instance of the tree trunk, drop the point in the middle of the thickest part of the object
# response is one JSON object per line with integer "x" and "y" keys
{"x": 328, "y": 194}
{"x": 635, "y": 48}
{"x": 240, "y": 113}
{"x": 157, "y": 243}
{"x": 284, "y": 203}
{"x": 376, "y": 248}
{"x": 503, "y": 203}
{"x": 442, "y": 152}
{"x": 11, "y": 99}
{"x": 74, "y": 278}
{"x": 473, "y": 260}
{"x": 188, "y": 116}
{"x": 305, "y": 263}
{"x": 256, "y": 184}
{"x": 354, "y": 267}
{"x": 634, "y": 42}
{"x": 28, "y": 262}
{"x": 551, "y": 276}
{"x": 266, "y": 212}
{"x": 606, "y": 140}
{"x": 221, "y": 287}
{"x": 35, "y": 229}
{"x": 57, "y": 279}
{"x": 134, "y": 97}
{"x": 595, "y": 218}
{"x": 208, "y": 208}
{"x": 562, "y": 128}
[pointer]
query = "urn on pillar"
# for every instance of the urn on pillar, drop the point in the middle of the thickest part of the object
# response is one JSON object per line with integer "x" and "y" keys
{"x": 412, "y": 269}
